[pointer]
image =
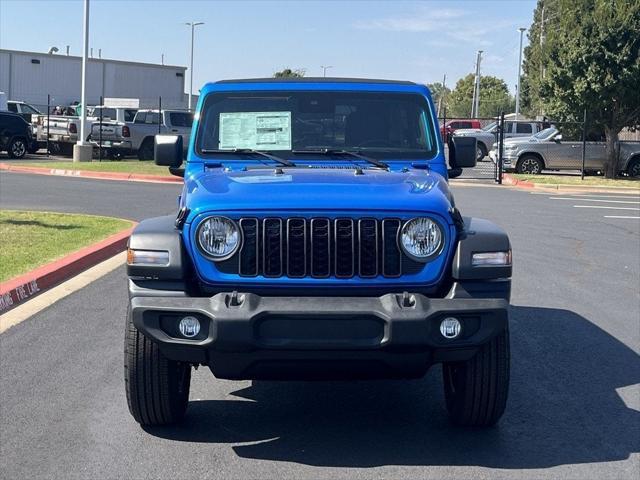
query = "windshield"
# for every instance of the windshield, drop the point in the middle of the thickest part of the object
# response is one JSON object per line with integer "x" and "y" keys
{"x": 490, "y": 127}
{"x": 29, "y": 109}
{"x": 546, "y": 133}
{"x": 384, "y": 125}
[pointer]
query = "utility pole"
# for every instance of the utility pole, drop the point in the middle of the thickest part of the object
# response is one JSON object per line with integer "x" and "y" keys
{"x": 476, "y": 89}
{"x": 521, "y": 29}
{"x": 324, "y": 69}
{"x": 193, "y": 25}
{"x": 81, "y": 151}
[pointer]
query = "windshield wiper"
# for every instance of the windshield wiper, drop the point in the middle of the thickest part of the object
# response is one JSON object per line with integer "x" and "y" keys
{"x": 250, "y": 151}
{"x": 329, "y": 151}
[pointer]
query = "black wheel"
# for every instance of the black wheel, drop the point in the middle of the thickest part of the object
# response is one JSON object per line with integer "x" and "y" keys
{"x": 66, "y": 149}
{"x": 633, "y": 170}
{"x": 17, "y": 148}
{"x": 454, "y": 172}
{"x": 157, "y": 388}
{"x": 529, "y": 165}
{"x": 476, "y": 390}
{"x": 481, "y": 151}
{"x": 145, "y": 152}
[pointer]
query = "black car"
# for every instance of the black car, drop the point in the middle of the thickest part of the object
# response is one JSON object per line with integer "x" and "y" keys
{"x": 15, "y": 135}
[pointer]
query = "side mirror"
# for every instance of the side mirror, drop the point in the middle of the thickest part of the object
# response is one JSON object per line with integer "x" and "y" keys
{"x": 462, "y": 152}
{"x": 167, "y": 150}
{"x": 557, "y": 138}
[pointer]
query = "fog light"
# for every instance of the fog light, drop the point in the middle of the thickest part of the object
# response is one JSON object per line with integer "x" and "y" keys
{"x": 450, "y": 327}
{"x": 189, "y": 327}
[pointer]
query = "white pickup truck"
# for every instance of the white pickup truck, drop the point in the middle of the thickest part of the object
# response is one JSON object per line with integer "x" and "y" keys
{"x": 136, "y": 137}
{"x": 64, "y": 129}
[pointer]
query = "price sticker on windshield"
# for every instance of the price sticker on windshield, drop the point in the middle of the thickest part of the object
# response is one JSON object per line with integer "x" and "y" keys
{"x": 255, "y": 130}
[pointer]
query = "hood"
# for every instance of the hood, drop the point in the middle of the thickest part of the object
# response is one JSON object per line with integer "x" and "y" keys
{"x": 521, "y": 140}
{"x": 314, "y": 189}
{"x": 468, "y": 131}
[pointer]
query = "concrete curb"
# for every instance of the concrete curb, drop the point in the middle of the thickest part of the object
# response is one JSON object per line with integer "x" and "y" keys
{"x": 23, "y": 287}
{"x": 129, "y": 177}
{"x": 514, "y": 182}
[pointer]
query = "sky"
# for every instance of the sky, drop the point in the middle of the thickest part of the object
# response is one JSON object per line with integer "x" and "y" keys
{"x": 406, "y": 40}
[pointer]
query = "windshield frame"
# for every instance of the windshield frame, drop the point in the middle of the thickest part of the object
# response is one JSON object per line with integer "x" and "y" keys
{"x": 390, "y": 154}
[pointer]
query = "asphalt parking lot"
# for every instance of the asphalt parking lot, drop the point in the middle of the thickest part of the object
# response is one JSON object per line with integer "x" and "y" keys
{"x": 573, "y": 412}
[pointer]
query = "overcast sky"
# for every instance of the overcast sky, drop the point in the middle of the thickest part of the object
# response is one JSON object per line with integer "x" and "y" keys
{"x": 418, "y": 41}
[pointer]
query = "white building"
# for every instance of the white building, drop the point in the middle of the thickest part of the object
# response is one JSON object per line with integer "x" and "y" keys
{"x": 30, "y": 76}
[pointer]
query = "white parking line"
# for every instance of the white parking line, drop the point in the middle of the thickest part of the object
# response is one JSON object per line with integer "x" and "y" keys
{"x": 610, "y": 208}
{"x": 626, "y": 197}
{"x": 593, "y": 200}
{"x": 620, "y": 216}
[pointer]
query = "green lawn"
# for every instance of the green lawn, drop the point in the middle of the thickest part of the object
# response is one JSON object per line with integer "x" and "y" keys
{"x": 133, "y": 166}
{"x": 576, "y": 181}
{"x": 31, "y": 239}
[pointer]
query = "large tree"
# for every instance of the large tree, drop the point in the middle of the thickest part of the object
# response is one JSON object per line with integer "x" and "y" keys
{"x": 289, "y": 73}
{"x": 588, "y": 59}
{"x": 494, "y": 97}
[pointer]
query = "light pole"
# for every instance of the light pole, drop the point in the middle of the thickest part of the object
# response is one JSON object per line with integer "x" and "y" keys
{"x": 475, "y": 104}
{"x": 193, "y": 25}
{"x": 325, "y": 68}
{"x": 81, "y": 150}
{"x": 522, "y": 30}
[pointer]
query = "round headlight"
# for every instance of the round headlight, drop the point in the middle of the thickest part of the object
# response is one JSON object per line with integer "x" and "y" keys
{"x": 421, "y": 238}
{"x": 218, "y": 237}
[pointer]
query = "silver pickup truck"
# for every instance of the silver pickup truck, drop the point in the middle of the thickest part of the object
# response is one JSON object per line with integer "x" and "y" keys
{"x": 487, "y": 135}
{"x": 137, "y": 137}
{"x": 547, "y": 150}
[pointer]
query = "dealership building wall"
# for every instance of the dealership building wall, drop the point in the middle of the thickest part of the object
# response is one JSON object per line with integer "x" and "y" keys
{"x": 30, "y": 76}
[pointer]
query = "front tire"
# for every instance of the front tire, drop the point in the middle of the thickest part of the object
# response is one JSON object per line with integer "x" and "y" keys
{"x": 633, "y": 170}
{"x": 17, "y": 148}
{"x": 529, "y": 165}
{"x": 481, "y": 151}
{"x": 157, "y": 388}
{"x": 476, "y": 390}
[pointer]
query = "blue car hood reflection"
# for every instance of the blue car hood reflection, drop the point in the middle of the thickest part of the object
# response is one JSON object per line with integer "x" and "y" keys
{"x": 313, "y": 189}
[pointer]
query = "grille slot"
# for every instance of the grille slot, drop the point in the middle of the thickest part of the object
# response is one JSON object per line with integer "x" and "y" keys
{"x": 320, "y": 248}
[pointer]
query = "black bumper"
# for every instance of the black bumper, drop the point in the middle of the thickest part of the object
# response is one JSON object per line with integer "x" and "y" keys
{"x": 250, "y": 336}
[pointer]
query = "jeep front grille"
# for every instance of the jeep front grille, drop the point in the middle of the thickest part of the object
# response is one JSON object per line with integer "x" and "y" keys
{"x": 320, "y": 248}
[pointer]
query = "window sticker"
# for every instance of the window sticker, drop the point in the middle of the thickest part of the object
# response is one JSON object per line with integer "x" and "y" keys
{"x": 255, "y": 130}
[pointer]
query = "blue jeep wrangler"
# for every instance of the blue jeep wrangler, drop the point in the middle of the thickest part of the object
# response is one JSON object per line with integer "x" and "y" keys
{"x": 317, "y": 238}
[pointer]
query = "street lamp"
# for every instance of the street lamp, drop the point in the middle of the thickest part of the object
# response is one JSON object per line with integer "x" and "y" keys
{"x": 325, "y": 68}
{"x": 193, "y": 25}
{"x": 522, "y": 30}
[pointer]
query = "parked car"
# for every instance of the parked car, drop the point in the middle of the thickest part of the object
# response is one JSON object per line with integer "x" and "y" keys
{"x": 64, "y": 129}
{"x": 28, "y": 112}
{"x": 137, "y": 137}
{"x": 15, "y": 135}
{"x": 548, "y": 151}
{"x": 453, "y": 125}
{"x": 317, "y": 237}
{"x": 487, "y": 135}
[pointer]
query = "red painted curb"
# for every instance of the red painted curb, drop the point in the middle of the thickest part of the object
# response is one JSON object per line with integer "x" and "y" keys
{"x": 131, "y": 177}
{"x": 515, "y": 182}
{"x": 23, "y": 287}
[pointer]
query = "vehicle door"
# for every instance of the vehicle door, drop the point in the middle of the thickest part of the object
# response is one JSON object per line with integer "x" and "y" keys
{"x": 563, "y": 154}
{"x": 180, "y": 123}
{"x": 595, "y": 155}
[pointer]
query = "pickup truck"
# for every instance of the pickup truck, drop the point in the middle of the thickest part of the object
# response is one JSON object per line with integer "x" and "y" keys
{"x": 64, "y": 129}
{"x": 548, "y": 151}
{"x": 487, "y": 136}
{"x": 28, "y": 112}
{"x": 316, "y": 237}
{"x": 452, "y": 125}
{"x": 136, "y": 137}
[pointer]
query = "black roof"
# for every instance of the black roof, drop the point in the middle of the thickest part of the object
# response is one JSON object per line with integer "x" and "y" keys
{"x": 316, "y": 79}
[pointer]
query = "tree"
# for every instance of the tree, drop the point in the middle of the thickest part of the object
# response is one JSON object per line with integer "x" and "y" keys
{"x": 289, "y": 73}
{"x": 494, "y": 97}
{"x": 439, "y": 92}
{"x": 590, "y": 60}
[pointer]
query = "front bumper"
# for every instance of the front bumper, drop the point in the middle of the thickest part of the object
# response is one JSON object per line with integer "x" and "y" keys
{"x": 248, "y": 336}
{"x": 508, "y": 159}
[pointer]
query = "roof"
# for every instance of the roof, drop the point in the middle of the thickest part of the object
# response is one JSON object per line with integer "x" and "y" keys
{"x": 317, "y": 80}
{"x": 90, "y": 59}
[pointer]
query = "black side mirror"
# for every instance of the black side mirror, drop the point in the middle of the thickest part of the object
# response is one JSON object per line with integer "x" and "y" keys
{"x": 167, "y": 150}
{"x": 462, "y": 152}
